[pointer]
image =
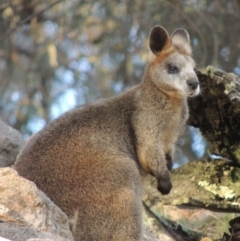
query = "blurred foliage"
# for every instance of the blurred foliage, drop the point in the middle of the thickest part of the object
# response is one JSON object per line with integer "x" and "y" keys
{"x": 55, "y": 55}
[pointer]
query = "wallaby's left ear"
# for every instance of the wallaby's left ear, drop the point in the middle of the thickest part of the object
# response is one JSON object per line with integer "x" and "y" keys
{"x": 180, "y": 38}
{"x": 158, "y": 39}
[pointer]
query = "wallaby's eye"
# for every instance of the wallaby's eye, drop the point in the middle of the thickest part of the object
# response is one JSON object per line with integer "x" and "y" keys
{"x": 172, "y": 69}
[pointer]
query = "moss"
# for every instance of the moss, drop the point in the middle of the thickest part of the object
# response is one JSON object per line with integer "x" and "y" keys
{"x": 210, "y": 70}
{"x": 229, "y": 87}
{"x": 214, "y": 183}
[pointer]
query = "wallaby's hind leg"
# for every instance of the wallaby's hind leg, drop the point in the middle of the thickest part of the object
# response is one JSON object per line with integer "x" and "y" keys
{"x": 111, "y": 208}
{"x": 129, "y": 226}
{"x": 116, "y": 219}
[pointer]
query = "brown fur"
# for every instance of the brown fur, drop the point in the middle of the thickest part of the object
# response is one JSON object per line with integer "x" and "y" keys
{"x": 90, "y": 160}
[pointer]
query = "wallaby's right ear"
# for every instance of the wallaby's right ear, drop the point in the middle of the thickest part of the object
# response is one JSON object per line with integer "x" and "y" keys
{"x": 158, "y": 39}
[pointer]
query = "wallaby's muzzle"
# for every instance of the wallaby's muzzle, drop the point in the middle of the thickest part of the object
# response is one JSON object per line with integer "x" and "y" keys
{"x": 193, "y": 85}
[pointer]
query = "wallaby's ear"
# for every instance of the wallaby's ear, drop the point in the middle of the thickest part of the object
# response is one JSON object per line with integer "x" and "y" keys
{"x": 158, "y": 39}
{"x": 180, "y": 38}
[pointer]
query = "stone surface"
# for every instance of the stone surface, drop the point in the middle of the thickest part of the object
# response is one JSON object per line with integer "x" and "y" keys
{"x": 154, "y": 231}
{"x": 46, "y": 239}
{"x": 11, "y": 142}
{"x": 3, "y": 239}
{"x": 27, "y": 213}
{"x": 191, "y": 205}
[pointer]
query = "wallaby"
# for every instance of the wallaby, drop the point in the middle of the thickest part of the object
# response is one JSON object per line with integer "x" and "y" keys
{"x": 90, "y": 161}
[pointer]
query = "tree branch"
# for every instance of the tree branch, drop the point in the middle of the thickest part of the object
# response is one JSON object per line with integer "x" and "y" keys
{"x": 29, "y": 18}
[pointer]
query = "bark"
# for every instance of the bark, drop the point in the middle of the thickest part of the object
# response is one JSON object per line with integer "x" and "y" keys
{"x": 216, "y": 112}
{"x": 234, "y": 230}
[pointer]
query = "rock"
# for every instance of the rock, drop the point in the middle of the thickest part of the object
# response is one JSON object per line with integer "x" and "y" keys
{"x": 3, "y": 239}
{"x": 189, "y": 214}
{"x": 11, "y": 142}
{"x": 45, "y": 239}
{"x": 154, "y": 231}
{"x": 26, "y": 213}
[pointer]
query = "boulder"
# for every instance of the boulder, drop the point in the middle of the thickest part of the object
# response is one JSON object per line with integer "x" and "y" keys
{"x": 11, "y": 142}
{"x": 26, "y": 213}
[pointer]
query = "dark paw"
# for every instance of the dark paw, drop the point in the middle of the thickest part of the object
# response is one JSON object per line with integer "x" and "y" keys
{"x": 169, "y": 161}
{"x": 164, "y": 186}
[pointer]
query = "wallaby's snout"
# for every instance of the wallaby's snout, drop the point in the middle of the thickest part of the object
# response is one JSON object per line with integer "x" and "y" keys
{"x": 193, "y": 85}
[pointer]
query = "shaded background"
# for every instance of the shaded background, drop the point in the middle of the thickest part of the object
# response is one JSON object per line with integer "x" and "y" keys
{"x": 55, "y": 55}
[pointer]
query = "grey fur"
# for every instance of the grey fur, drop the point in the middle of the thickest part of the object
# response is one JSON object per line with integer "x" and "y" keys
{"x": 91, "y": 160}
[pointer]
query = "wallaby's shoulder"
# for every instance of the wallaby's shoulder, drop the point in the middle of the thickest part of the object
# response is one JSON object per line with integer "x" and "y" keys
{"x": 103, "y": 110}
{"x": 109, "y": 113}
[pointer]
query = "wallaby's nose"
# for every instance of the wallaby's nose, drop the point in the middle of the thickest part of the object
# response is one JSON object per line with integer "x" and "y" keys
{"x": 193, "y": 83}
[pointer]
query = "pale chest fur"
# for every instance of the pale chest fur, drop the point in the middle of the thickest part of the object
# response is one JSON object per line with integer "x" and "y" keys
{"x": 175, "y": 120}
{"x": 160, "y": 126}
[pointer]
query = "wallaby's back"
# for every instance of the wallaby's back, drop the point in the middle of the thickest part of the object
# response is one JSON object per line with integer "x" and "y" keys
{"x": 86, "y": 161}
{"x": 90, "y": 160}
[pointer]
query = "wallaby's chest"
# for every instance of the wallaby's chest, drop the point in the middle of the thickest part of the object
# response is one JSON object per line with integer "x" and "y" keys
{"x": 163, "y": 125}
{"x": 174, "y": 125}
{"x": 161, "y": 119}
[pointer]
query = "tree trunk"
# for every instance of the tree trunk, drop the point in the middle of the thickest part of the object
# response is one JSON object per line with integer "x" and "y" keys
{"x": 216, "y": 112}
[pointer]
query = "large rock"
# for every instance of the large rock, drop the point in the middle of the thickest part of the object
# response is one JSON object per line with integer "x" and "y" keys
{"x": 11, "y": 142}
{"x": 27, "y": 213}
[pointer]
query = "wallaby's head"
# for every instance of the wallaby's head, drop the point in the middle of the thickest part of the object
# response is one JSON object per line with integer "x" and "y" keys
{"x": 172, "y": 67}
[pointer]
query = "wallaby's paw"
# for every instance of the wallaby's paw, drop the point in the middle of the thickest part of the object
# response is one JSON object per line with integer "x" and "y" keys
{"x": 169, "y": 161}
{"x": 164, "y": 186}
